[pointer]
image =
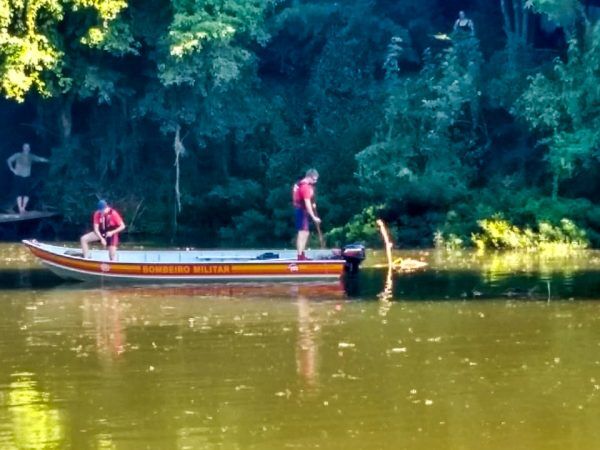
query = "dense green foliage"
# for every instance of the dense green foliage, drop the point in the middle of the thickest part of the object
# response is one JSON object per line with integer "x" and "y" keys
{"x": 196, "y": 116}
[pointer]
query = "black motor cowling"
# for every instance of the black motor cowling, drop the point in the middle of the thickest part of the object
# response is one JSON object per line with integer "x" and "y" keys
{"x": 354, "y": 255}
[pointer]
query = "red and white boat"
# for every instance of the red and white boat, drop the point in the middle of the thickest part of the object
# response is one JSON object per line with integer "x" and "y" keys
{"x": 189, "y": 266}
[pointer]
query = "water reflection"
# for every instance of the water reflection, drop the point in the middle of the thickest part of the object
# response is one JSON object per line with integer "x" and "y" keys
{"x": 496, "y": 266}
{"x": 35, "y": 423}
{"x": 387, "y": 294}
{"x": 299, "y": 366}
{"x": 307, "y": 347}
{"x": 103, "y": 310}
{"x": 256, "y": 290}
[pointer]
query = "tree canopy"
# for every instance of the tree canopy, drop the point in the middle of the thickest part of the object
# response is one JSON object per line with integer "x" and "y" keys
{"x": 196, "y": 116}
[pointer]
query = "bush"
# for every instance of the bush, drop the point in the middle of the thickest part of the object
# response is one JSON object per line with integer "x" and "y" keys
{"x": 499, "y": 233}
{"x": 361, "y": 228}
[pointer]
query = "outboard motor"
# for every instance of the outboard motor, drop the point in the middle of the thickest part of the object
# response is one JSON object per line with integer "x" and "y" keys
{"x": 354, "y": 255}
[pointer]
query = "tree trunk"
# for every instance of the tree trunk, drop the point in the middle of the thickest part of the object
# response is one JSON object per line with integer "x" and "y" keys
{"x": 510, "y": 36}
{"x": 525, "y": 23}
{"x": 516, "y": 28}
{"x": 65, "y": 120}
{"x": 179, "y": 150}
{"x": 555, "y": 181}
{"x": 129, "y": 150}
{"x": 507, "y": 25}
{"x": 223, "y": 157}
{"x": 39, "y": 125}
{"x": 517, "y": 18}
{"x": 233, "y": 163}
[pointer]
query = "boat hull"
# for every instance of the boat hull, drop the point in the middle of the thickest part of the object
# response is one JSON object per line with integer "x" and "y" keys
{"x": 206, "y": 269}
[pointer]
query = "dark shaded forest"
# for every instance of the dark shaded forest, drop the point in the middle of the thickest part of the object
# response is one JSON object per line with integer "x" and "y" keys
{"x": 194, "y": 117}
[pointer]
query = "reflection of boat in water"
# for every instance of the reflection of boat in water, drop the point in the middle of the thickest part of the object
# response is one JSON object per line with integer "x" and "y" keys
{"x": 260, "y": 290}
{"x": 185, "y": 266}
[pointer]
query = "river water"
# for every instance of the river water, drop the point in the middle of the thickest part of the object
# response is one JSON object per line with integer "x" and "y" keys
{"x": 493, "y": 351}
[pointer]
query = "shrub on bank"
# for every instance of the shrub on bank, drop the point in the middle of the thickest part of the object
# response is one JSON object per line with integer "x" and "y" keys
{"x": 498, "y": 233}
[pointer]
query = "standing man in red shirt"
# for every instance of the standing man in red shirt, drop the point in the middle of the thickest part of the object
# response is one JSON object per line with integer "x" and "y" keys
{"x": 107, "y": 224}
{"x": 303, "y": 196}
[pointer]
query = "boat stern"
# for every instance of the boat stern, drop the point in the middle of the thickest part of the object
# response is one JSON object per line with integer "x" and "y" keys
{"x": 354, "y": 255}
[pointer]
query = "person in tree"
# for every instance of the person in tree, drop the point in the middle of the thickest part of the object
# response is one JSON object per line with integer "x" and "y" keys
{"x": 303, "y": 194}
{"x": 20, "y": 165}
{"x": 464, "y": 24}
{"x": 107, "y": 224}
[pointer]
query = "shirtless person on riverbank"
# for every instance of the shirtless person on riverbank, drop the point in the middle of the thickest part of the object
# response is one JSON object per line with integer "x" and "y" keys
{"x": 464, "y": 24}
{"x": 20, "y": 164}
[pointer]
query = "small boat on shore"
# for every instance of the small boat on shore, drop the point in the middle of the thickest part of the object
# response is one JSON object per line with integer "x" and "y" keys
{"x": 190, "y": 266}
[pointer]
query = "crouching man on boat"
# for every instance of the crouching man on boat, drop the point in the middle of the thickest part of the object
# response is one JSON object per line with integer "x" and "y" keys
{"x": 303, "y": 195}
{"x": 107, "y": 223}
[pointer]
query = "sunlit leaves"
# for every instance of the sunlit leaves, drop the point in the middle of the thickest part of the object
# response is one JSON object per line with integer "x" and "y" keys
{"x": 196, "y": 23}
{"x": 24, "y": 53}
{"x": 32, "y": 48}
{"x": 192, "y": 39}
{"x": 499, "y": 233}
{"x": 115, "y": 39}
{"x": 206, "y": 51}
{"x": 204, "y": 58}
{"x": 107, "y": 10}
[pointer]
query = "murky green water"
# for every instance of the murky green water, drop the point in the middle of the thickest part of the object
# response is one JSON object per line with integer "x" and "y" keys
{"x": 475, "y": 352}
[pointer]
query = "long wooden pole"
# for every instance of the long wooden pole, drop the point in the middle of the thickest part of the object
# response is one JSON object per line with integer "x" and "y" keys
{"x": 321, "y": 240}
{"x": 387, "y": 294}
{"x": 318, "y": 227}
{"x": 388, "y": 243}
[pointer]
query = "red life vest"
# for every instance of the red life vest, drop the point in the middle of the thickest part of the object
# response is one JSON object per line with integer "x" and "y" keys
{"x": 107, "y": 222}
{"x": 301, "y": 191}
